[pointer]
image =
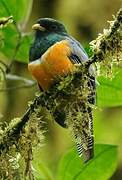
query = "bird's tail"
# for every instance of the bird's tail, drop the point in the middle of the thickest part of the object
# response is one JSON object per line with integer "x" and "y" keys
{"x": 85, "y": 140}
{"x": 87, "y": 154}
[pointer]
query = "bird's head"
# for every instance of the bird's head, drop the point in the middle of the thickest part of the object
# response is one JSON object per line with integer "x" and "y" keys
{"x": 45, "y": 26}
{"x": 47, "y": 32}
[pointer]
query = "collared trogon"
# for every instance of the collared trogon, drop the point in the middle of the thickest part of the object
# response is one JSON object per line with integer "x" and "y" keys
{"x": 54, "y": 53}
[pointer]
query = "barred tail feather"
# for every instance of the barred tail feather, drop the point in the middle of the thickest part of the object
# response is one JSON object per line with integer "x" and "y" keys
{"x": 85, "y": 143}
{"x": 89, "y": 153}
{"x": 79, "y": 149}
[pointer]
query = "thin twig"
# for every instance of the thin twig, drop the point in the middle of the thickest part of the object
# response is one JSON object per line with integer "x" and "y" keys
{"x": 27, "y": 83}
{"x": 5, "y": 65}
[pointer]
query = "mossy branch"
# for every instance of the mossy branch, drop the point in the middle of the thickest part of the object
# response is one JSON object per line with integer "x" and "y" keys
{"x": 109, "y": 43}
{"x": 61, "y": 88}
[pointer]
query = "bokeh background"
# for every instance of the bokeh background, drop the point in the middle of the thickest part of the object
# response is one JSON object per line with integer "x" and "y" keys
{"x": 84, "y": 19}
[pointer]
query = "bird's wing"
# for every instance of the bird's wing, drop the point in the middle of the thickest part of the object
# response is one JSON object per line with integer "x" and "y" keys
{"x": 78, "y": 54}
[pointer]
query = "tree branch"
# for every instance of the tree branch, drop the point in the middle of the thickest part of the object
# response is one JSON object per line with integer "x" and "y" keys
{"x": 109, "y": 43}
{"x": 26, "y": 83}
{"x": 60, "y": 92}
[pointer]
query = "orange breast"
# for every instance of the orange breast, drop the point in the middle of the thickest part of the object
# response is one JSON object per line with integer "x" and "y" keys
{"x": 54, "y": 62}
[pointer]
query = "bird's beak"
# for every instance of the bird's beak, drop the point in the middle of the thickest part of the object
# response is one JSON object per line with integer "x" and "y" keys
{"x": 38, "y": 27}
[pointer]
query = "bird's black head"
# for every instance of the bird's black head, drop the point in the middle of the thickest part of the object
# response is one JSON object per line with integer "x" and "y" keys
{"x": 49, "y": 25}
{"x": 48, "y": 32}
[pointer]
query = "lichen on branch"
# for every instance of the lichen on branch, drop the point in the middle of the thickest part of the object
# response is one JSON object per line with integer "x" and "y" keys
{"x": 107, "y": 47}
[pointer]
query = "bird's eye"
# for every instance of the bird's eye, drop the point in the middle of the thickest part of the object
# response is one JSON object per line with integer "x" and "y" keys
{"x": 54, "y": 27}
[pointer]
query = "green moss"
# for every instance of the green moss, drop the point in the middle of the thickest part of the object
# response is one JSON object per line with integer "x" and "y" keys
{"x": 107, "y": 48}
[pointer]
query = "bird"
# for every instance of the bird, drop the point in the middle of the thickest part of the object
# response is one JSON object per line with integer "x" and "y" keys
{"x": 54, "y": 53}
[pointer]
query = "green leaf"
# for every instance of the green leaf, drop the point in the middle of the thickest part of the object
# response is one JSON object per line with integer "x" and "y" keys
{"x": 109, "y": 91}
{"x": 88, "y": 50}
{"x": 40, "y": 171}
{"x": 101, "y": 167}
{"x": 18, "y": 9}
{"x": 9, "y": 38}
{"x": 10, "y": 47}
{"x": 23, "y": 51}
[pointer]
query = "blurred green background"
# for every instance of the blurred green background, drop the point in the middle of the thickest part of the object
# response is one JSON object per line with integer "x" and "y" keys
{"x": 84, "y": 20}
